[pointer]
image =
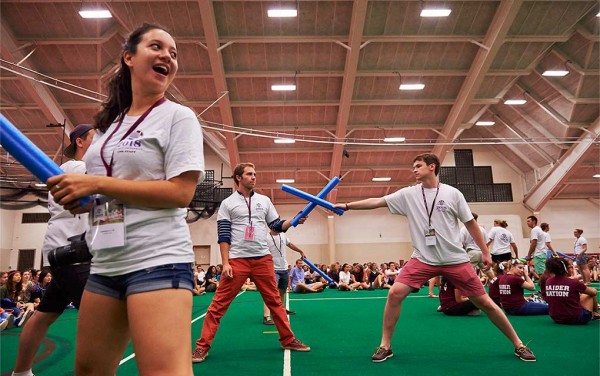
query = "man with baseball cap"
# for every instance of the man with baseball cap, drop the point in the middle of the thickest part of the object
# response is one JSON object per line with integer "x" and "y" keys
{"x": 79, "y": 138}
{"x": 68, "y": 281}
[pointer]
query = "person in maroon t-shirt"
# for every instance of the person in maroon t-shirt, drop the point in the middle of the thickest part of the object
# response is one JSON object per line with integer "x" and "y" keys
{"x": 493, "y": 287}
{"x": 571, "y": 302}
{"x": 511, "y": 292}
{"x": 453, "y": 303}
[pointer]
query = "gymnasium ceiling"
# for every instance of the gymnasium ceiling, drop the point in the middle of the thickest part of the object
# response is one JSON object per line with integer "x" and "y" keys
{"x": 347, "y": 60}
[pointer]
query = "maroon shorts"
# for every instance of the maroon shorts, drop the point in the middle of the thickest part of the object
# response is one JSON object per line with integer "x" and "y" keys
{"x": 415, "y": 274}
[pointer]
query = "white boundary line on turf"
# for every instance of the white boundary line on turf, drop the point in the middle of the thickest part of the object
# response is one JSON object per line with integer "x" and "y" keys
{"x": 287, "y": 356}
{"x": 356, "y": 298}
{"x": 370, "y": 298}
{"x": 128, "y": 358}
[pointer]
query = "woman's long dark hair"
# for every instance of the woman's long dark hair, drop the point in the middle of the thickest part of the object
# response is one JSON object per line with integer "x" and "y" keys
{"x": 119, "y": 85}
{"x": 43, "y": 275}
{"x": 557, "y": 266}
{"x": 14, "y": 289}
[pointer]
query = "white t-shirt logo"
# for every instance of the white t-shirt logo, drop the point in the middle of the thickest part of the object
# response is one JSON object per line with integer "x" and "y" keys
{"x": 441, "y": 206}
{"x": 131, "y": 144}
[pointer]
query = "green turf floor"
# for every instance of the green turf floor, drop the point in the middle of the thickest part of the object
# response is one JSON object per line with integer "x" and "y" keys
{"x": 343, "y": 329}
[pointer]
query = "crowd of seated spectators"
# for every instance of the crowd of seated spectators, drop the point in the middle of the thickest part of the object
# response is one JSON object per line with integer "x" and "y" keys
{"x": 20, "y": 294}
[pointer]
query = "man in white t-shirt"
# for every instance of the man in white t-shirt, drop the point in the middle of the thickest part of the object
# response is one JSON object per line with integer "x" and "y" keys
{"x": 550, "y": 252}
{"x": 433, "y": 211}
{"x": 243, "y": 226}
{"x": 537, "y": 245}
{"x": 278, "y": 242}
{"x": 67, "y": 281}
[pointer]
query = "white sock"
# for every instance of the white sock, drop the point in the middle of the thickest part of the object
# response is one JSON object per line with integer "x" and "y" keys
{"x": 24, "y": 373}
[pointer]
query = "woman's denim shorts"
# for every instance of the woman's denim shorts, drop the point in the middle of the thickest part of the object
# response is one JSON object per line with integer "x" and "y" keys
{"x": 170, "y": 276}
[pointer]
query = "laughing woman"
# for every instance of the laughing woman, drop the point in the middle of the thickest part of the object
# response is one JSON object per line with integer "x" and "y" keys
{"x": 146, "y": 160}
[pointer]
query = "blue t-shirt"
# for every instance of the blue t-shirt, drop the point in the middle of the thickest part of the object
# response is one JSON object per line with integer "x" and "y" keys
{"x": 297, "y": 275}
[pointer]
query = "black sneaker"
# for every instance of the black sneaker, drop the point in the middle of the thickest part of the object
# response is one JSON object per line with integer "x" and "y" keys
{"x": 381, "y": 354}
{"x": 199, "y": 355}
{"x": 267, "y": 320}
{"x": 525, "y": 354}
{"x": 290, "y": 312}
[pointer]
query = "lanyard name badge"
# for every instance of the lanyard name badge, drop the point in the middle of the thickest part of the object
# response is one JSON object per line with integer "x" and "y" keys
{"x": 280, "y": 244}
{"x": 249, "y": 232}
{"x": 108, "y": 225}
{"x": 430, "y": 231}
{"x": 108, "y": 218}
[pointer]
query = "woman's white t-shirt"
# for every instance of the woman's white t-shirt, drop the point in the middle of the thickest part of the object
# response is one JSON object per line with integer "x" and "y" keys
{"x": 345, "y": 277}
{"x": 579, "y": 242}
{"x": 167, "y": 143}
{"x": 501, "y": 239}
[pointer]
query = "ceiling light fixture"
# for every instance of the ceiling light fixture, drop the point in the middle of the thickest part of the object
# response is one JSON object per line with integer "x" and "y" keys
{"x": 386, "y": 178}
{"x": 435, "y": 12}
{"x": 597, "y": 176}
{"x": 284, "y": 141}
{"x": 555, "y": 73}
{"x": 283, "y": 87}
{"x": 394, "y": 139}
{"x": 95, "y": 13}
{"x": 485, "y": 123}
{"x": 515, "y": 102}
{"x": 409, "y": 86}
{"x": 282, "y": 13}
{"x": 415, "y": 86}
{"x": 285, "y": 181}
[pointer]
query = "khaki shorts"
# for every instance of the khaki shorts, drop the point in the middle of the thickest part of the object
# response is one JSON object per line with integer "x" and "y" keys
{"x": 475, "y": 258}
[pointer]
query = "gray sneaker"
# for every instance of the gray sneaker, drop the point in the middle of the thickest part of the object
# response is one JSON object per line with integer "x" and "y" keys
{"x": 11, "y": 321}
{"x": 525, "y": 354}
{"x": 381, "y": 354}
{"x": 199, "y": 355}
{"x": 25, "y": 317}
{"x": 296, "y": 345}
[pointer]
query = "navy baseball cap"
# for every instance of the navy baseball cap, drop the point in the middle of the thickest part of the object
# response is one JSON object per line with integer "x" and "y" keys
{"x": 76, "y": 133}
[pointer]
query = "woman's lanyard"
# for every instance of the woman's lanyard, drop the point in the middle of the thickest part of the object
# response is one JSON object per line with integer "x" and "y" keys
{"x": 280, "y": 244}
{"x": 109, "y": 166}
{"x": 430, "y": 213}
